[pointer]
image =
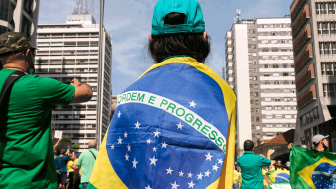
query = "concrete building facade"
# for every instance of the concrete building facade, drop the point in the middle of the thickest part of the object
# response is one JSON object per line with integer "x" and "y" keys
{"x": 260, "y": 69}
{"x": 314, "y": 36}
{"x": 19, "y": 16}
{"x": 68, "y": 51}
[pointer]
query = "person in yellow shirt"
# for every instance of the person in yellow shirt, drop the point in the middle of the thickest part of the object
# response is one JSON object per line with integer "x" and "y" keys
{"x": 266, "y": 180}
{"x": 77, "y": 173}
{"x": 235, "y": 179}
{"x": 71, "y": 172}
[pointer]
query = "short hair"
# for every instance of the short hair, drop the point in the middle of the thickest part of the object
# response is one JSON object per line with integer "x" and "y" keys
{"x": 94, "y": 145}
{"x": 248, "y": 145}
{"x": 189, "y": 44}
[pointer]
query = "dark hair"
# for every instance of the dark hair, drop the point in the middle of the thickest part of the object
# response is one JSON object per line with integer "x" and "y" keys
{"x": 190, "y": 44}
{"x": 248, "y": 145}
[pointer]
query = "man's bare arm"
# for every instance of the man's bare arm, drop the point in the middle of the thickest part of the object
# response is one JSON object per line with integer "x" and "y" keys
{"x": 83, "y": 92}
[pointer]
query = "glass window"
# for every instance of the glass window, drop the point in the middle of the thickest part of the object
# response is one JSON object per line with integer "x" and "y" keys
{"x": 303, "y": 120}
{"x": 278, "y": 125}
{"x": 268, "y": 116}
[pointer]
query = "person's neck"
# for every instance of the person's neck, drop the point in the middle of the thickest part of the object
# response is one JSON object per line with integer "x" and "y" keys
{"x": 319, "y": 148}
{"x": 15, "y": 66}
{"x": 61, "y": 155}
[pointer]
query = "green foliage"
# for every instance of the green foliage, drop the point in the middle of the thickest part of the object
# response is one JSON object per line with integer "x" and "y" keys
{"x": 76, "y": 146}
{"x": 66, "y": 139}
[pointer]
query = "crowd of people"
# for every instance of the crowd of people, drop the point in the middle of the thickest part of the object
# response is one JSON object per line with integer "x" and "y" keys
{"x": 252, "y": 169}
{"x": 74, "y": 169}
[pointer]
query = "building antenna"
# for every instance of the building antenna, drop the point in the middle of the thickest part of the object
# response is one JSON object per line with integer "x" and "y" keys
{"x": 238, "y": 14}
{"x": 83, "y": 7}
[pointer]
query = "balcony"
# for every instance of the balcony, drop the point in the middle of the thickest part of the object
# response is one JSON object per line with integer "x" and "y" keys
{"x": 301, "y": 20}
{"x": 306, "y": 76}
{"x": 296, "y": 8}
{"x": 307, "y": 97}
{"x": 304, "y": 57}
{"x": 302, "y": 39}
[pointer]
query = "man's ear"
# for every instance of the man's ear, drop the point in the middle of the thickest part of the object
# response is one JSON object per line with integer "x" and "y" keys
{"x": 204, "y": 35}
{"x": 150, "y": 38}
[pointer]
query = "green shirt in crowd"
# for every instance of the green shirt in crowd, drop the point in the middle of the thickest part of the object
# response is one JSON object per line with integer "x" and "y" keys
{"x": 87, "y": 161}
{"x": 251, "y": 172}
{"x": 26, "y": 148}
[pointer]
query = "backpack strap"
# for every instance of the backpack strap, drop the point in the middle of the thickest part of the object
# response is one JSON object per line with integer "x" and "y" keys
{"x": 92, "y": 154}
{"x": 8, "y": 85}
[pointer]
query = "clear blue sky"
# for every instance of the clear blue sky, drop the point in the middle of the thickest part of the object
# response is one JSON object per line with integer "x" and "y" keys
{"x": 129, "y": 22}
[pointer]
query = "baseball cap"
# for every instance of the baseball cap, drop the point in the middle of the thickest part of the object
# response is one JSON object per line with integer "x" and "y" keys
{"x": 317, "y": 138}
{"x": 63, "y": 151}
{"x": 194, "y": 22}
{"x": 14, "y": 42}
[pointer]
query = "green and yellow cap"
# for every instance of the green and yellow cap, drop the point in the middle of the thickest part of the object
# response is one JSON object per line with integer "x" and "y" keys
{"x": 14, "y": 42}
{"x": 194, "y": 22}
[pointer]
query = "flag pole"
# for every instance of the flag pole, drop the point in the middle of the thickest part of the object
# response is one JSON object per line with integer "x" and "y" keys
{"x": 100, "y": 63}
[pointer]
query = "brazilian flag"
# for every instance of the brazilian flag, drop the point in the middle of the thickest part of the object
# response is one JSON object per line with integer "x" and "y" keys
{"x": 279, "y": 179}
{"x": 312, "y": 170}
{"x": 173, "y": 128}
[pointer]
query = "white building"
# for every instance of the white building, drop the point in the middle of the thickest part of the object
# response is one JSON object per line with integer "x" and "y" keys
{"x": 19, "y": 16}
{"x": 260, "y": 69}
{"x": 68, "y": 51}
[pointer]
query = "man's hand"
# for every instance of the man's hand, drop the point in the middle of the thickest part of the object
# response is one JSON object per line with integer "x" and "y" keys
{"x": 290, "y": 145}
{"x": 75, "y": 82}
{"x": 268, "y": 181}
{"x": 59, "y": 140}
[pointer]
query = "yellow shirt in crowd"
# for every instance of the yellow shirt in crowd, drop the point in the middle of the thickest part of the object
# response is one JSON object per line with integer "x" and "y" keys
{"x": 70, "y": 168}
{"x": 235, "y": 176}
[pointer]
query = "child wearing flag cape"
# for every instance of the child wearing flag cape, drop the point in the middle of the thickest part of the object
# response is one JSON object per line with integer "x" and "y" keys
{"x": 175, "y": 126}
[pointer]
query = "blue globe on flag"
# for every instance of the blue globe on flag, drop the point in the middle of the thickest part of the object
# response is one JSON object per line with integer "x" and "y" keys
{"x": 282, "y": 177}
{"x": 324, "y": 176}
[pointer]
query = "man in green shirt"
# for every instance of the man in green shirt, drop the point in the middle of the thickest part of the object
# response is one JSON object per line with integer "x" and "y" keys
{"x": 26, "y": 149}
{"x": 251, "y": 167}
{"x": 86, "y": 162}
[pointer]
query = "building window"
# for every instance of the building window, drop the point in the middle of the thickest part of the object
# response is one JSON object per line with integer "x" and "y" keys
{"x": 256, "y": 102}
{"x": 288, "y": 125}
{"x": 277, "y": 99}
{"x": 309, "y": 117}
{"x": 252, "y": 118}
{"x": 266, "y": 74}
{"x": 268, "y": 99}
{"x": 329, "y": 89}
{"x": 273, "y": 33}
{"x": 267, "y": 90}
{"x": 264, "y": 50}
{"x": 256, "y": 94}
{"x": 278, "y": 125}
{"x": 263, "y": 26}
{"x": 251, "y": 101}
{"x": 275, "y": 66}
{"x": 277, "y": 107}
{"x": 285, "y": 74}
{"x": 276, "y": 74}
{"x": 274, "y": 50}
{"x": 268, "y": 108}
{"x": 267, "y": 82}
{"x": 274, "y": 41}
{"x": 275, "y": 58}
{"x": 269, "y": 125}
{"x": 283, "y": 50}
{"x": 265, "y": 57}
{"x": 276, "y": 82}
{"x": 264, "y": 41}
{"x": 288, "y": 116}
{"x": 283, "y": 41}
{"x": 269, "y": 135}
{"x": 276, "y": 90}
{"x": 255, "y": 78}
{"x": 269, "y": 116}
{"x": 278, "y": 116}
{"x": 273, "y": 26}
{"x": 257, "y": 119}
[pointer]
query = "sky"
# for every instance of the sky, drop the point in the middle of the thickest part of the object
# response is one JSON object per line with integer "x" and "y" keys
{"x": 129, "y": 23}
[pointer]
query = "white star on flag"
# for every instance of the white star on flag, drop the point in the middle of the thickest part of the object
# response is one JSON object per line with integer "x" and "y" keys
{"x": 179, "y": 126}
{"x": 137, "y": 125}
{"x": 190, "y": 175}
{"x": 191, "y": 184}
{"x": 200, "y": 176}
{"x": 169, "y": 171}
{"x": 192, "y": 104}
{"x": 207, "y": 173}
{"x": 164, "y": 145}
{"x": 112, "y": 147}
{"x": 148, "y": 187}
{"x": 174, "y": 186}
{"x": 127, "y": 157}
{"x": 215, "y": 167}
{"x": 119, "y": 114}
{"x": 181, "y": 174}
{"x": 153, "y": 161}
{"x": 154, "y": 149}
{"x": 128, "y": 148}
{"x": 119, "y": 140}
{"x": 135, "y": 163}
{"x": 156, "y": 134}
{"x": 125, "y": 135}
{"x": 220, "y": 161}
{"x": 208, "y": 157}
{"x": 149, "y": 141}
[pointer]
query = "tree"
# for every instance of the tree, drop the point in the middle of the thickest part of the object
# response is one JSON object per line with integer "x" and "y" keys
{"x": 76, "y": 146}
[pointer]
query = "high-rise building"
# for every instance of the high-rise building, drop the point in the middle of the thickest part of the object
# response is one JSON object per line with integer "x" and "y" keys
{"x": 260, "y": 69}
{"x": 314, "y": 36}
{"x": 68, "y": 51}
{"x": 19, "y": 16}
{"x": 114, "y": 103}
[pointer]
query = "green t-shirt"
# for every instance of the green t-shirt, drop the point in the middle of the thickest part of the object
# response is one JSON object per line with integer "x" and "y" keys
{"x": 26, "y": 149}
{"x": 87, "y": 161}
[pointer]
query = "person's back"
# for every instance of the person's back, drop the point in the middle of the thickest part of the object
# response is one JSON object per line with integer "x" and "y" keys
{"x": 86, "y": 162}
{"x": 26, "y": 152}
{"x": 251, "y": 167}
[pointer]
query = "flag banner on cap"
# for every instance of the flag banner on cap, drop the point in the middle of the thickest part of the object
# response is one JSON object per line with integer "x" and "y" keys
{"x": 312, "y": 170}
{"x": 279, "y": 179}
{"x": 173, "y": 128}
